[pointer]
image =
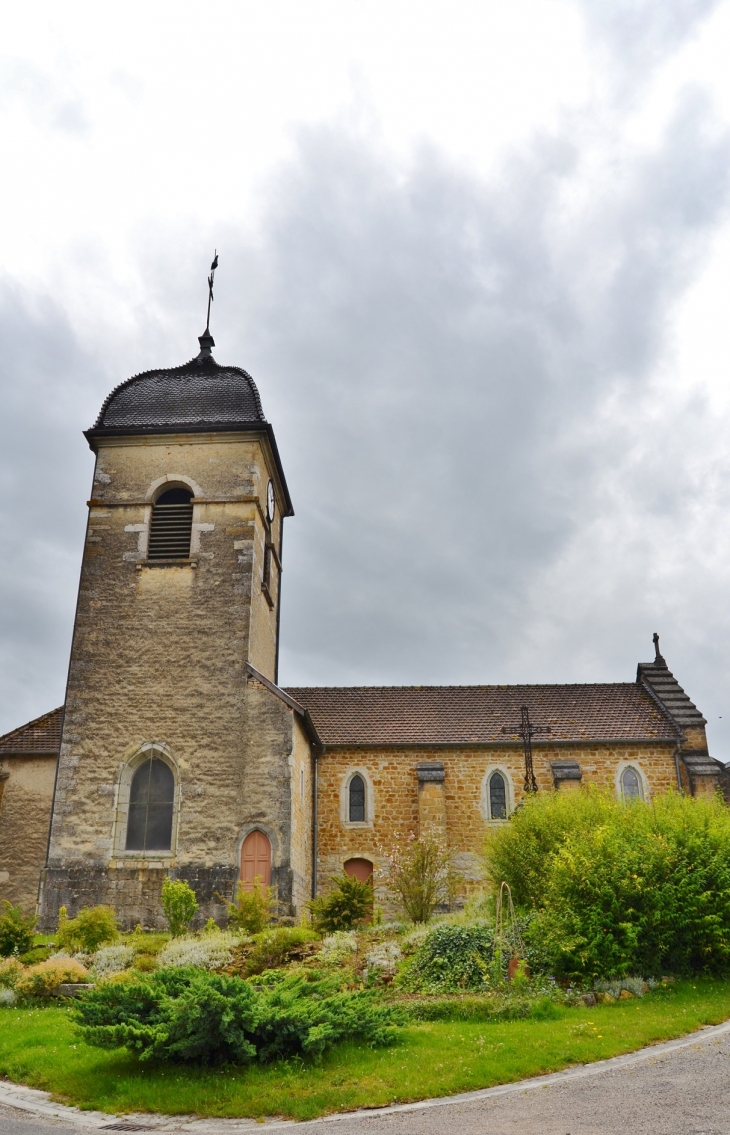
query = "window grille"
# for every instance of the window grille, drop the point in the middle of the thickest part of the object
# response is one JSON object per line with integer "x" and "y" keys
{"x": 171, "y": 526}
{"x": 151, "y": 806}
{"x": 357, "y": 799}
{"x": 497, "y": 797}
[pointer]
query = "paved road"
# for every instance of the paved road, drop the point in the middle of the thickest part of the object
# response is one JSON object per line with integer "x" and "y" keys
{"x": 681, "y": 1092}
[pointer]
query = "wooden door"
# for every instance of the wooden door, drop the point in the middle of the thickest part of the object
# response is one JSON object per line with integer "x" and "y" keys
{"x": 362, "y": 869}
{"x": 255, "y": 860}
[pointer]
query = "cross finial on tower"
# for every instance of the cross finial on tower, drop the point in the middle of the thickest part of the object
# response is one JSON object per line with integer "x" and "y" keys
{"x": 658, "y": 660}
{"x": 206, "y": 340}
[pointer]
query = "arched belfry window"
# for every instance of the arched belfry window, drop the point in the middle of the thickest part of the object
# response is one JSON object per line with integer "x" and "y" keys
{"x": 356, "y": 800}
{"x": 171, "y": 526}
{"x": 151, "y": 807}
{"x": 631, "y": 786}
{"x": 497, "y": 796}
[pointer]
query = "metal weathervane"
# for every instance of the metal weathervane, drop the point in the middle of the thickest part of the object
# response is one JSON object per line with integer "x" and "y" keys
{"x": 526, "y": 730}
{"x": 213, "y": 267}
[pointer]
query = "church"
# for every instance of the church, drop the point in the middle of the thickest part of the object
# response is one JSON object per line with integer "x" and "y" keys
{"x": 177, "y": 753}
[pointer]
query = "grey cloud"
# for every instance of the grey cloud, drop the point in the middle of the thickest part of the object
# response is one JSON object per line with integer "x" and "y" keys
{"x": 640, "y": 34}
{"x": 47, "y": 385}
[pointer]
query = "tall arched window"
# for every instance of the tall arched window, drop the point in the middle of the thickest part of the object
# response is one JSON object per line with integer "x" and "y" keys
{"x": 171, "y": 526}
{"x": 151, "y": 807}
{"x": 356, "y": 799}
{"x": 497, "y": 797}
{"x": 631, "y": 786}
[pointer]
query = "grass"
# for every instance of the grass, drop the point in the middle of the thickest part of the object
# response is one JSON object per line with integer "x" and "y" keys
{"x": 39, "y": 1047}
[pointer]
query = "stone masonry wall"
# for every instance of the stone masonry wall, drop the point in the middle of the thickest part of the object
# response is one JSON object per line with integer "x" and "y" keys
{"x": 301, "y": 817}
{"x": 25, "y": 812}
{"x": 158, "y": 657}
{"x": 394, "y": 784}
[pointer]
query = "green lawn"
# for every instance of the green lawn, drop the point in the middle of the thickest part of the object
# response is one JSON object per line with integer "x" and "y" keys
{"x": 39, "y": 1047}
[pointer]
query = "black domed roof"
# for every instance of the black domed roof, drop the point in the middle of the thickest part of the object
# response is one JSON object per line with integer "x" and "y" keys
{"x": 196, "y": 396}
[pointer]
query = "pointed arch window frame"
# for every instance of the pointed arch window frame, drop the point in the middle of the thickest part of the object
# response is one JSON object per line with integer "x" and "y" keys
{"x": 345, "y": 799}
{"x": 123, "y": 789}
{"x": 486, "y": 803}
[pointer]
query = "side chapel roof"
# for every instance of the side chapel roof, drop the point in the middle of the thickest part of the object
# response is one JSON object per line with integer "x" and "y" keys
{"x": 42, "y": 736}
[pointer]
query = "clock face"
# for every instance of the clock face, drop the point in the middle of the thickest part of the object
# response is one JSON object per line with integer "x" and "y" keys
{"x": 270, "y": 502}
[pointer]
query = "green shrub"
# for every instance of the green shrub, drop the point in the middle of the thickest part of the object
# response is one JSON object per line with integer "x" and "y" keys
{"x": 278, "y": 947}
{"x": 622, "y": 888}
{"x": 36, "y": 954}
{"x": 92, "y": 927}
{"x": 192, "y": 1016}
{"x": 16, "y": 931}
{"x": 10, "y": 971}
{"x": 450, "y": 958}
{"x": 420, "y": 877}
{"x": 44, "y": 979}
{"x": 252, "y": 910}
{"x": 349, "y": 903}
{"x": 179, "y": 904}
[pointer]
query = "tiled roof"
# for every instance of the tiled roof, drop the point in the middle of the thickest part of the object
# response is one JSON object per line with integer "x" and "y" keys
{"x": 437, "y": 715}
{"x": 201, "y": 393}
{"x": 43, "y": 735}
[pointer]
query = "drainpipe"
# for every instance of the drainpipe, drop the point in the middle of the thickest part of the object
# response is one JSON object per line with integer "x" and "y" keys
{"x": 676, "y": 766}
{"x": 315, "y": 792}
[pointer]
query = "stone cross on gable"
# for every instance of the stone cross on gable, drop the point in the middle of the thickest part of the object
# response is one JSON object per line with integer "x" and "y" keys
{"x": 526, "y": 730}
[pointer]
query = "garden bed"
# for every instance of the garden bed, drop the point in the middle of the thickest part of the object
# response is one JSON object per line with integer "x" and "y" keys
{"x": 39, "y": 1047}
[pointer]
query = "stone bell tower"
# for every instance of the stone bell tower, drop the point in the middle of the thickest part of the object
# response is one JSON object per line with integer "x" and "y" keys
{"x": 175, "y": 746}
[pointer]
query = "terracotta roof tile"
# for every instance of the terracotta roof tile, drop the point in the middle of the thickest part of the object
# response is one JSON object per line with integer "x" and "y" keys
{"x": 43, "y": 735}
{"x": 433, "y": 715}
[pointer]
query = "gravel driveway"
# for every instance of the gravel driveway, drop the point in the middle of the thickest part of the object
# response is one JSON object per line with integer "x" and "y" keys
{"x": 682, "y": 1088}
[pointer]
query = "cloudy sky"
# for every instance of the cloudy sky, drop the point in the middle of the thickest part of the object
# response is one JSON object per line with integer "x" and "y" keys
{"x": 477, "y": 257}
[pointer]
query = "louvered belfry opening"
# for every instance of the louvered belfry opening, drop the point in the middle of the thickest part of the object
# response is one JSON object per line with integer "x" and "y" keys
{"x": 172, "y": 525}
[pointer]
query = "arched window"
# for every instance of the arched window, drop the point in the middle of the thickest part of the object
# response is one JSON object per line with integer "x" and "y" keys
{"x": 151, "y": 806}
{"x": 171, "y": 526}
{"x": 497, "y": 797}
{"x": 631, "y": 786}
{"x": 356, "y": 799}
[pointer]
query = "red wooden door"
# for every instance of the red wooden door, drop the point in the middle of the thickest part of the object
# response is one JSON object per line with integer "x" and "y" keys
{"x": 362, "y": 869}
{"x": 255, "y": 860}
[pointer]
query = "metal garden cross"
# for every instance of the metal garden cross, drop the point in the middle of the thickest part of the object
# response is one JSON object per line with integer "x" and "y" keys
{"x": 526, "y": 730}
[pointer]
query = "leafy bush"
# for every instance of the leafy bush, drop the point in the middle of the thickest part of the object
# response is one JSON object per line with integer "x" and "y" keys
{"x": 179, "y": 904}
{"x": 36, "y": 954}
{"x": 111, "y": 959}
{"x": 451, "y": 957}
{"x": 91, "y": 928}
{"x": 16, "y": 931}
{"x": 347, "y": 904}
{"x": 278, "y": 947}
{"x": 10, "y": 970}
{"x": 188, "y": 1015}
{"x": 420, "y": 877}
{"x": 520, "y": 852}
{"x": 44, "y": 979}
{"x": 214, "y": 951}
{"x": 621, "y": 888}
{"x": 252, "y": 910}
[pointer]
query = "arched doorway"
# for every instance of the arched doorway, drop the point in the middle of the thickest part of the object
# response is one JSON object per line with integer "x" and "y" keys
{"x": 255, "y": 860}
{"x": 362, "y": 869}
